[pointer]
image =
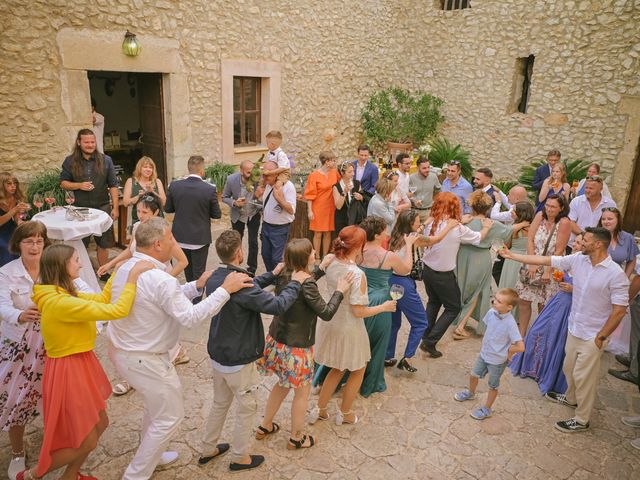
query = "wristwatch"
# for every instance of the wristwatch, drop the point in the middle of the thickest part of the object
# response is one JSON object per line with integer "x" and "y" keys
{"x": 602, "y": 338}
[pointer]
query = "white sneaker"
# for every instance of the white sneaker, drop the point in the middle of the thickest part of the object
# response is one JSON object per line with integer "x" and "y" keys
{"x": 168, "y": 458}
{"x": 16, "y": 466}
{"x": 635, "y": 443}
{"x": 631, "y": 421}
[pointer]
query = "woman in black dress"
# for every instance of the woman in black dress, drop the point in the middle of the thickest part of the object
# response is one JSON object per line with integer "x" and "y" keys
{"x": 350, "y": 208}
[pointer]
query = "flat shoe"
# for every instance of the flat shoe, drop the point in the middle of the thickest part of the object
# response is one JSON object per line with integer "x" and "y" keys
{"x": 297, "y": 444}
{"x": 405, "y": 365}
{"x": 256, "y": 461}
{"x": 222, "y": 449}
{"x": 390, "y": 362}
{"x": 460, "y": 336}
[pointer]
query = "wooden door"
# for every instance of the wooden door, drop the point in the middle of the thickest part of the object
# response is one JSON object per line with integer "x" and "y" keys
{"x": 152, "y": 121}
{"x": 632, "y": 212}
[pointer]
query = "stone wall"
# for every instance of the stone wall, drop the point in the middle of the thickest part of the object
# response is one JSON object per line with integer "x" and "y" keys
{"x": 334, "y": 54}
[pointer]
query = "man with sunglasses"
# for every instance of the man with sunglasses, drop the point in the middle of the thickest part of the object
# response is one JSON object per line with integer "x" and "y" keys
{"x": 457, "y": 185}
{"x": 586, "y": 210}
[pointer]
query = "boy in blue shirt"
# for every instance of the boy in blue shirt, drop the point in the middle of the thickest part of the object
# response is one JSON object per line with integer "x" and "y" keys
{"x": 501, "y": 341}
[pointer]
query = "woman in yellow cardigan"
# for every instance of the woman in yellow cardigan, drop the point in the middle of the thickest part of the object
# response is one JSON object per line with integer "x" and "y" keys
{"x": 74, "y": 386}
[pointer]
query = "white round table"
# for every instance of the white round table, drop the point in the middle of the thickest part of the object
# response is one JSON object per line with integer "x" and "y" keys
{"x": 71, "y": 232}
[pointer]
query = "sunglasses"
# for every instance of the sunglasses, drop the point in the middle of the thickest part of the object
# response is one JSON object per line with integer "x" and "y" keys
{"x": 595, "y": 178}
{"x": 454, "y": 162}
{"x": 390, "y": 175}
{"x": 610, "y": 209}
{"x": 148, "y": 198}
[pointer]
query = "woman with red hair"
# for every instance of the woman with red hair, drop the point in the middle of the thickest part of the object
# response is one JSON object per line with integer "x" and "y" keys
{"x": 343, "y": 344}
{"x": 439, "y": 267}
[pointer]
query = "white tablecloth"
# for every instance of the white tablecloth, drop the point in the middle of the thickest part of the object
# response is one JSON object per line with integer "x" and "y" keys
{"x": 71, "y": 232}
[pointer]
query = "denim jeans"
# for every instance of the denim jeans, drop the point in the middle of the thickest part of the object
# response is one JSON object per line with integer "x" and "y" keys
{"x": 481, "y": 368}
{"x": 274, "y": 239}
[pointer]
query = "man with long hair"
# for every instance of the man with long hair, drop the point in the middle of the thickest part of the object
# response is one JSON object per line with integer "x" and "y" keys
{"x": 90, "y": 174}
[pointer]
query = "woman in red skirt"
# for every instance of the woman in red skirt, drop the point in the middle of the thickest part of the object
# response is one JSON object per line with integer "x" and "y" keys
{"x": 74, "y": 386}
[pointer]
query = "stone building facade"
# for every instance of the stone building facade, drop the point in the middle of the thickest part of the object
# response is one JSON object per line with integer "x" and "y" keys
{"x": 321, "y": 61}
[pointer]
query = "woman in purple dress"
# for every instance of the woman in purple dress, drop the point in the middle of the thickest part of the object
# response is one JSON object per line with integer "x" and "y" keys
{"x": 544, "y": 343}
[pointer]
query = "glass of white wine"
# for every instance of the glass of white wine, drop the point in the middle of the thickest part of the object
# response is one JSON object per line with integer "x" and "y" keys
{"x": 396, "y": 292}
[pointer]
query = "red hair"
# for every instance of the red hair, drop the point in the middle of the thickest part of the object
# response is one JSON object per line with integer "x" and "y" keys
{"x": 349, "y": 239}
{"x": 445, "y": 205}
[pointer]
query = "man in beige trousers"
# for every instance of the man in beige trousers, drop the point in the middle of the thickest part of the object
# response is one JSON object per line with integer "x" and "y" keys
{"x": 600, "y": 300}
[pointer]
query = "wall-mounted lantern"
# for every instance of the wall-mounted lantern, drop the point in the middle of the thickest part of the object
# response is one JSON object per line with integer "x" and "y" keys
{"x": 131, "y": 47}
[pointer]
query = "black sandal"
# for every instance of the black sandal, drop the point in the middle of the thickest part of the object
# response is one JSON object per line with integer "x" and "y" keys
{"x": 390, "y": 362}
{"x": 296, "y": 444}
{"x": 262, "y": 432}
{"x": 405, "y": 365}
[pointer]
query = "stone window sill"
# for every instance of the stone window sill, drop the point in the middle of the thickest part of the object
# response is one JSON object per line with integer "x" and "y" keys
{"x": 251, "y": 149}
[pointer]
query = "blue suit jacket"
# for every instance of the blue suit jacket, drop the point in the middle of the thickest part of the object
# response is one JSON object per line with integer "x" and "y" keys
{"x": 369, "y": 177}
{"x": 542, "y": 173}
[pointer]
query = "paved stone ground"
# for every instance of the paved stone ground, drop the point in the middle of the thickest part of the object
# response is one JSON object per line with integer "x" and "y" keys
{"x": 414, "y": 430}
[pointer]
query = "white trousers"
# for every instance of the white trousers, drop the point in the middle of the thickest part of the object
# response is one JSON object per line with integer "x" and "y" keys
{"x": 156, "y": 379}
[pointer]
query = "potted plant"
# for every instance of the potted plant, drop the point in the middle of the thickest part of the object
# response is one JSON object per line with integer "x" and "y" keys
{"x": 217, "y": 174}
{"x": 398, "y": 116}
{"x": 47, "y": 181}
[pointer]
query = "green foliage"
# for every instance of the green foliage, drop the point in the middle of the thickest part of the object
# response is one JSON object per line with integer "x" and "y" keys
{"x": 576, "y": 170}
{"x": 218, "y": 173}
{"x": 505, "y": 185}
{"x": 398, "y": 115}
{"x": 442, "y": 152}
{"x": 47, "y": 181}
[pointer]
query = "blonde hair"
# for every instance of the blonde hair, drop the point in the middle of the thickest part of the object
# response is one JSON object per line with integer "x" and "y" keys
{"x": 144, "y": 161}
{"x": 480, "y": 202}
{"x": 563, "y": 170}
{"x": 510, "y": 296}
{"x": 274, "y": 134}
{"x": 384, "y": 187}
{"x": 18, "y": 196}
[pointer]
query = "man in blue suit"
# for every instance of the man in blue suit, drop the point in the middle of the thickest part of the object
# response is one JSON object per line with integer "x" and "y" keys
{"x": 365, "y": 172}
{"x": 544, "y": 171}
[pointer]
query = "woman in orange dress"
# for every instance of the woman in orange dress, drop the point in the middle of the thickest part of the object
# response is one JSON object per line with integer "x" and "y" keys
{"x": 319, "y": 196}
{"x": 74, "y": 386}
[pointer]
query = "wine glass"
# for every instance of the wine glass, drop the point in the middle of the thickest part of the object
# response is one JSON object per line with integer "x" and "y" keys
{"x": 69, "y": 197}
{"x": 396, "y": 292}
{"x": 50, "y": 199}
{"x": 413, "y": 188}
{"x": 38, "y": 201}
{"x": 558, "y": 275}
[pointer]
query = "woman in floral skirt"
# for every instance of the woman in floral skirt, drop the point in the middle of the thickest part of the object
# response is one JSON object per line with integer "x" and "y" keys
{"x": 289, "y": 347}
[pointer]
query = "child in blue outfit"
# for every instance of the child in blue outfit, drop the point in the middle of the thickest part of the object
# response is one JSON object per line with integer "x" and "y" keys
{"x": 501, "y": 341}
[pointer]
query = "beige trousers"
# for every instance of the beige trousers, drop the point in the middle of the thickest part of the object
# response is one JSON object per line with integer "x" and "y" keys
{"x": 582, "y": 369}
{"x": 243, "y": 386}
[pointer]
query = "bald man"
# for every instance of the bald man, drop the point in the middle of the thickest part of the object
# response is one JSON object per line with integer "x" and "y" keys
{"x": 239, "y": 194}
{"x": 517, "y": 194}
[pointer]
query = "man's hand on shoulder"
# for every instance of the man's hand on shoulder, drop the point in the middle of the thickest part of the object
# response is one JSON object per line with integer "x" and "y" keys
{"x": 237, "y": 281}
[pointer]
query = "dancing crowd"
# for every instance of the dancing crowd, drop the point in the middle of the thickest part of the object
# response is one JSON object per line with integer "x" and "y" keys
{"x": 374, "y": 238}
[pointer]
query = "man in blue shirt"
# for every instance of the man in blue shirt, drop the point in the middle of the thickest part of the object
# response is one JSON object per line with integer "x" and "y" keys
{"x": 457, "y": 185}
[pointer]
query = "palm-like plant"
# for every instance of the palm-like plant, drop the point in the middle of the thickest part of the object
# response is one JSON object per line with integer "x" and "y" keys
{"x": 442, "y": 152}
{"x": 218, "y": 173}
{"x": 47, "y": 181}
{"x": 504, "y": 185}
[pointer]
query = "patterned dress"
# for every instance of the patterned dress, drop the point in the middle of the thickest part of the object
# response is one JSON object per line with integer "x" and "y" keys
{"x": 541, "y": 293}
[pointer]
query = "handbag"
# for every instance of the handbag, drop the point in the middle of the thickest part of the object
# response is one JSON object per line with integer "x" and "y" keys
{"x": 524, "y": 269}
{"x": 417, "y": 267}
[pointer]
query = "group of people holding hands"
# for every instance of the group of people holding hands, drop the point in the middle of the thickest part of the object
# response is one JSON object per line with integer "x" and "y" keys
{"x": 373, "y": 240}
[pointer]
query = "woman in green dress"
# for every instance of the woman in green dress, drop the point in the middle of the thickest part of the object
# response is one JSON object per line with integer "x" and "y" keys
{"x": 378, "y": 264}
{"x": 473, "y": 266}
{"x": 523, "y": 212}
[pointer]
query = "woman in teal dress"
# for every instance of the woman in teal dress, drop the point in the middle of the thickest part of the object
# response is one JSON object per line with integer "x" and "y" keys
{"x": 473, "y": 266}
{"x": 378, "y": 264}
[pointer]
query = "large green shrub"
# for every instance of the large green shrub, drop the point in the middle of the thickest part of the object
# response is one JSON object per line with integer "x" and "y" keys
{"x": 47, "y": 181}
{"x": 398, "y": 115}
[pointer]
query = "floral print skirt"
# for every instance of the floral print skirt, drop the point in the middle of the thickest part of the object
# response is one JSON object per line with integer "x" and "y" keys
{"x": 21, "y": 367}
{"x": 293, "y": 366}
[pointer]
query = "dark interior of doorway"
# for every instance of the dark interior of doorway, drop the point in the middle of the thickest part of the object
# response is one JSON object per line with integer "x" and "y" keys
{"x": 131, "y": 104}
{"x": 631, "y": 222}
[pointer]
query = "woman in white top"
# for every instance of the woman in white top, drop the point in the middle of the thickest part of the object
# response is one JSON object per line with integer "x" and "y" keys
{"x": 343, "y": 344}
{"x": 380, "y": 204}
{"x": 399, "y": 199}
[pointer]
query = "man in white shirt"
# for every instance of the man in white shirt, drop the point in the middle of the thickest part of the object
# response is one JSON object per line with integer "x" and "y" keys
{"x": 439, "y": 277}
{"x": 517, "y": 194}
{"x": 403, "y": 162}
{"x": 586, "y": 210}
{"x": 600, "y": 299}
{"x": 279, "y": 208}
{"x": 98, "y": 127}
{"x": 482, "y": 181}
{"x": 140, "y": 343}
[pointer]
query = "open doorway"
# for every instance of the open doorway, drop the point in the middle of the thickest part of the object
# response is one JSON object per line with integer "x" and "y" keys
{"x": 132, "y": 106}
